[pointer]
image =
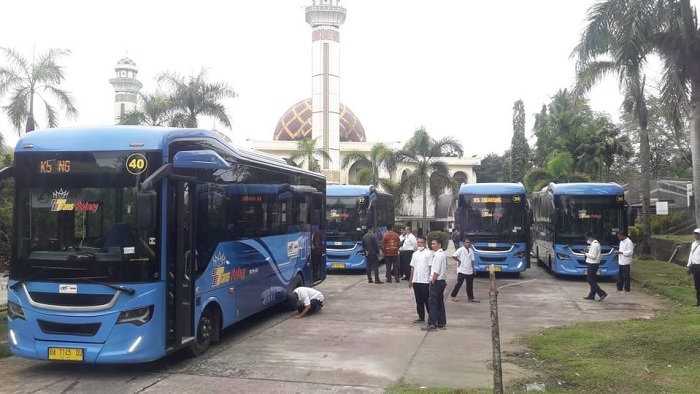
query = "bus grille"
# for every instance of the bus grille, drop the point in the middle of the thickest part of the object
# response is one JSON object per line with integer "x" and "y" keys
{"x": 71, "y": 299}
{"x": 87, "y": 330}
{"x": 487, "y": 259}
{"x": 482, "y": 248}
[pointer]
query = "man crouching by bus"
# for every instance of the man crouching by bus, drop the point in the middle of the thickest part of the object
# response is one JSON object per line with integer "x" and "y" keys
{"x": 307, "y": 301}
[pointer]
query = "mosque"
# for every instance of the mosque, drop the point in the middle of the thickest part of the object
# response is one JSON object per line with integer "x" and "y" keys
{"x": 325, "y": 118}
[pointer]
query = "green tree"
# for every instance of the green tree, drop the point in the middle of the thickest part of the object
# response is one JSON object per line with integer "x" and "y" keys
{"x": 379, "y": 157}
{"x": 617, "y": 40}
{"x": 27, "y": 81}
{"x": 195, "y": 96}
{"x": 519, "y": 148}
{"x": 493, "y": 168}
{"x": 153, "y": 110}
{"x": 307, "y": 152}
{"x": 430, "y": 175}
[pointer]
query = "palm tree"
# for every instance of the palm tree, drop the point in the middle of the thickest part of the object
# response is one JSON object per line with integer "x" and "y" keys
{"x": 430, "y": 175}
{"x": 307, "y": 151}
{"x": 617, "y": 40}
{"x": 195, "y": 96}
{"x": 153, "y": 110}
{"x": 379, "y": 156}
{"x": 27, "y": 80}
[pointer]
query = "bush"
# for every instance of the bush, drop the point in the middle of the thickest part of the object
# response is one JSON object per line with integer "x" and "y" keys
{"x": 635, "y": 234}
{"x": 661, "y": 223}
{"x": 441, "y": 235}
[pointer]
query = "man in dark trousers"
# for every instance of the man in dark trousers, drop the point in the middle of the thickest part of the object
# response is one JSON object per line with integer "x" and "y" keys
{"x": 593, "y": 261}
{"x": 371, "y": 251}
{"x": 390, "y": 247}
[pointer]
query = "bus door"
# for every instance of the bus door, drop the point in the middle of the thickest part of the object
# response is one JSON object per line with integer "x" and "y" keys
{"x": 318, "y": 242}
{"x": 181, "y": 263}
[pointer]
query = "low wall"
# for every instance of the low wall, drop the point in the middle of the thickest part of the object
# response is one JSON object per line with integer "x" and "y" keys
{"x": 661, "y": 249}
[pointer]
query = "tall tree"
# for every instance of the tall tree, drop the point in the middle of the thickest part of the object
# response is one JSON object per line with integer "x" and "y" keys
{"x": 153, "y": 110}
{"x": 307, "y": 152}
{"x": 493, "y": 168}
{"x": 430, "y": 175}
{"x": 618, "y": 40}
{"x": 195, "y": 96}
{"x": 26, "y": 80}
{"x": 379, "y": 157}
{"x": 519, "y": 148}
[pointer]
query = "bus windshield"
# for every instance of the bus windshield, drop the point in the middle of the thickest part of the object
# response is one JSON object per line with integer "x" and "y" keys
{"x": 602, "y": 215}
{"x": 493, "y": 218}
{"x": 345, "y": 217}
{"x": 76, "y": 219}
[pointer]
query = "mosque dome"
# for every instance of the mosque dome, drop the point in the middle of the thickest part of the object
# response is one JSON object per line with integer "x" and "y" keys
{"x": 126, "y": 61}
{"x": 295, "y": 124}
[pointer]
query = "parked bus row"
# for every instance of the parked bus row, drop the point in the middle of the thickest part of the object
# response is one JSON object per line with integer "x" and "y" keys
{"x": 130, "y": 243}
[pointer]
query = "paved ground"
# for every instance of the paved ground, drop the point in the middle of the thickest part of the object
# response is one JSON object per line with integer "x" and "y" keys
{"x": 361, "y": 342}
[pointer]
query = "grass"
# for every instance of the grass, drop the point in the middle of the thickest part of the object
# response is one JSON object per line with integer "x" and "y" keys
{"x": 631, "y": 356}
{"x": 681, "y": 239}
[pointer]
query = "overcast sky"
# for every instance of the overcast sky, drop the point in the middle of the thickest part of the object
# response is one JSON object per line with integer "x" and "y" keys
{"x": 453, "y": 66}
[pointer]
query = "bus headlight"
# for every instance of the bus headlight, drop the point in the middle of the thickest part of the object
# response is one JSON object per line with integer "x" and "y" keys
{"x": 562, "y": 256}
{"x": 520, "y": 254}
{"x": 15, "y": 311}
{"x": 136, "y": 316}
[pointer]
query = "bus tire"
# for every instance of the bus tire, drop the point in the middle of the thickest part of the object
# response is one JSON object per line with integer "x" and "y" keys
{"x": 207, "y": 329}
{"x": 298, "y": 282}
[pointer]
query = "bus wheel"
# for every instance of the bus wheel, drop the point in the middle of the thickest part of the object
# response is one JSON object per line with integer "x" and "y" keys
{"x": 298, "y": 282}
{"x": 205, "y": 332}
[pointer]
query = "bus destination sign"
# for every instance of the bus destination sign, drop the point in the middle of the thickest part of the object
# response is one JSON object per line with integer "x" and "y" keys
{"x": 54, "y": 166}
{"x": 486, "y": 200}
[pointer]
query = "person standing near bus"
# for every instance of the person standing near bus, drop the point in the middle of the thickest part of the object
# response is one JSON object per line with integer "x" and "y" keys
{"x": 306, "y": 300}
{"x": 624, "y": 260}
{"x": 465, "y": 270}
{"x": 420, "y": 277}
{"x": 694, "y": 264}
{"x": 390, "y": 247}
{"x": 436, "y": 297}
{"x": 370, "y": 247}
{"x": 593, "y": 261}
{"x": 408, "y": 246}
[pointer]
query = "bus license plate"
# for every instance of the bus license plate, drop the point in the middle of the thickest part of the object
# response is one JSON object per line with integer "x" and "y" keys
{"x": 66, "y": 354}
{"x": 495, "y": 268}
{"x": 338, "y": 265}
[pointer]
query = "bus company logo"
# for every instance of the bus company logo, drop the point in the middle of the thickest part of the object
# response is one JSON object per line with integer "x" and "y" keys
{"x": 219, "y": 277}
{"x": 60, "y": 203}
{"x": 516, "y": 199}
{"x": 293, "y": 249}
{"x": 219, "y": 259}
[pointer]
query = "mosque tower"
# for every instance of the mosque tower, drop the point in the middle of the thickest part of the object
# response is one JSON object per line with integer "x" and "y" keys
{"x": 126, "y": 87}
{"x": 325, "y": 18}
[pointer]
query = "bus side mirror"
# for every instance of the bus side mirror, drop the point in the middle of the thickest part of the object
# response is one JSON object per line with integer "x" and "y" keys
{"x": 146, "y": 210}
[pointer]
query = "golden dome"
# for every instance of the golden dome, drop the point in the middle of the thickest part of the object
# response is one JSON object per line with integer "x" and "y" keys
{"x": 295, "y": 124}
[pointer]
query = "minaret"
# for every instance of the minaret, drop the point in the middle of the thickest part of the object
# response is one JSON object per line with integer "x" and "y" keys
{"x": 126, "y": 87}
{"x": 325, "y": 18}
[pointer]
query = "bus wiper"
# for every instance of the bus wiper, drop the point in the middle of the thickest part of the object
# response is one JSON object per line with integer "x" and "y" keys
{"x": 123, "y": 289}
{"x": 34, "y": 274}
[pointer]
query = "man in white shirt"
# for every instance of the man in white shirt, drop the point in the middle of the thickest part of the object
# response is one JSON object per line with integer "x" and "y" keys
{"x": 593, "y": 261}
{"x": 465, "y": 270}
{"x": 437, "y": 319}
{"x": 420, "y": 277}
{"x": 307, "y": 301}
{"x": 624, "y": 260}
{"x": 694, "y": 263}
{"x": 408, "y": 246}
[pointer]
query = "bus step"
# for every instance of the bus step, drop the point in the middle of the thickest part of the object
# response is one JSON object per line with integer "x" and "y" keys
{"x": 187, "y": 340}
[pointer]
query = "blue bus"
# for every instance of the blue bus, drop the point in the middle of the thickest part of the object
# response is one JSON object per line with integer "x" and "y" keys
{"x": 564, "y": 213}
{"x": 350, "y": 210}
{"x": 496, "y": 218}
{"x": 130, "y": 243}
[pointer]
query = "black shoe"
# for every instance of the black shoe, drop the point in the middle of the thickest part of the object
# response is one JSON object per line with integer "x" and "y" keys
{"x": 388, "y": 281}
{"x": 379, "y": 282}
{"x": 698, "y": 304}
{"x": 428, "y": 328}
{"x": 370, "y": 281}
{"x": 588, "y": 298}
{"x": 419, "y": 320}
{"x": 442, "y": 327}
{"x": 603, "y": 297}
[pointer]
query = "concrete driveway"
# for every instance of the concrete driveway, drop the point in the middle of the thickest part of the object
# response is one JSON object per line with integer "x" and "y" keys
{"x": 361, "y": 342}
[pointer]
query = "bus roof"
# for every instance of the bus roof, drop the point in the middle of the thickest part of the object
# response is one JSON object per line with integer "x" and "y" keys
{"x": 585, "y": 189}
{"x": 492, "y": 188}
{"x": 133, "y": 138}
{"x": 349, "y": 190}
